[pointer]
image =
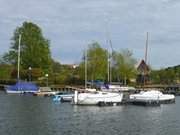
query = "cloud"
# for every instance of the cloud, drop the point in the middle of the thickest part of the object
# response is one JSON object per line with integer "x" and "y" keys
{"x": 70, "y": 25}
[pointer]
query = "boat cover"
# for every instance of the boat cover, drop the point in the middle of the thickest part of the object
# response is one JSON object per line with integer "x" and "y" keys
{"x": 24, "y": 86}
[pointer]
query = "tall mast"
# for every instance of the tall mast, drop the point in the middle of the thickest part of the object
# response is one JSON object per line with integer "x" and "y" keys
{"x": 146, "y": 51}
{"x": 147, "y": 38}
{"x": 85, "y": 60}
{"x": 108, "y": 65}
{"x": 109, "y": 54}
{"x": 110, "y": 61}
{"x": 19, "y": 53}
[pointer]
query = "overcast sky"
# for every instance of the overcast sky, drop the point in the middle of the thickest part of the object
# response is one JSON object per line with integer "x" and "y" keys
{"x": 72, "y": 24}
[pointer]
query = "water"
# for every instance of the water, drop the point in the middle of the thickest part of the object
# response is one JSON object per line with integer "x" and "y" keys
{"x": 28, "y": 115}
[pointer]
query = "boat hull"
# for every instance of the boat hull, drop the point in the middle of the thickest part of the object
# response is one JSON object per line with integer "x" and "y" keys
{"x": 19, "y": 92}
{"x": 45, "y": 93}
{"x": 152, "y": 97}
{"x": 63, "y": 97}
{"x": 96, "y": 98}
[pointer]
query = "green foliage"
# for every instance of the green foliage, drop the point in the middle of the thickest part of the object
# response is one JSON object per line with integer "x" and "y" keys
{"x": 35, "y": 50}
{"x": 5, "y": 71}
{"x": 123, "y": 65}
{"x": 166, "y": 76}
{"x": 96, "y": 63}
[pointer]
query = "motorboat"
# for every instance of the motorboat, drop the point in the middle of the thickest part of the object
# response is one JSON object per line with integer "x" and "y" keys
{"x": 63, "y": 97}
{"x": 151, "y": 96}
{"x": 94, "y": 98}
{"x": 45, "y": 91}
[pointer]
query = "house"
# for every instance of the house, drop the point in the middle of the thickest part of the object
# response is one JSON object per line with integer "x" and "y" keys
{"x": 143, "y": 76}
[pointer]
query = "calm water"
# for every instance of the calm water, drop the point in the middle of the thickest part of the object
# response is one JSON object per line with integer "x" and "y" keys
{"x": 28, "y": 115}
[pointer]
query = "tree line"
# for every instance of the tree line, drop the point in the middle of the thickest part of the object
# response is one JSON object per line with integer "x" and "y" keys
{"x": 170, "y": 75}
{"x": 36, "y": 62}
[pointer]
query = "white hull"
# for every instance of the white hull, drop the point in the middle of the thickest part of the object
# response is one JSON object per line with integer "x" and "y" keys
{"x": 19, "y": 92}
{"x": 67, "y": 97}
{"x": 45, "y": 93}
{"x": 117, "y": 88}
{"x": 97, "y": 97}
{"x": 151, "y": 96}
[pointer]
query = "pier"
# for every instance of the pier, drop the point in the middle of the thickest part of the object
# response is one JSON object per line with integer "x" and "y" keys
{"x": 171, "y": 89}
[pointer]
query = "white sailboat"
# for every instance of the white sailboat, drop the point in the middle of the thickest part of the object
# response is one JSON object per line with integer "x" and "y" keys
{"x": 91, "y": 97}
{"x": 112, "y": 87}
{"x": 97, "y": 97}
{"x": 150, "y": 95}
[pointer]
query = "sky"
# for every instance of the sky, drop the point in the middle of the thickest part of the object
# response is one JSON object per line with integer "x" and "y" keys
{"x": 71, "y": 25}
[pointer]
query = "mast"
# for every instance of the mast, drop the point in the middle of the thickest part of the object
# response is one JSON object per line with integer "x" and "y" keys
{"x": 19, "y": 53}
{"x": 109, "y": 54}
{"x": 108, "y": 66}
{"x": 85, "y": 61}
{"x": 147, "y": 38}
{"x": 110, "y": 61}
{"x": 146, "y": 51}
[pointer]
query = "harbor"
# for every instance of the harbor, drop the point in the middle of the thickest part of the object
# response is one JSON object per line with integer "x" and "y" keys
{"x": 89, "y": 67}
{"x": 68, "y": 94}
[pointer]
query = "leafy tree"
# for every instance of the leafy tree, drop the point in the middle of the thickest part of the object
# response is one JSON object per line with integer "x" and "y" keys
{"x": 96, "y": 62}
{"x": 123, "y": 65}
{"x": 5, "y": 71}
{"x": 35, "y": 50}
{"x": 165, "y": 76}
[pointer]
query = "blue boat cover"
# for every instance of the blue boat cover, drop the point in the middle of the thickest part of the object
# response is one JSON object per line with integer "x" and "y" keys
{"x": 24, "y": 86}
{"x": 97, "y": 83}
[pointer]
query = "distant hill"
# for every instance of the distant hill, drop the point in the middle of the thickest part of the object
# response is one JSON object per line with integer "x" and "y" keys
{"x": 174, "y": 67}
{"x": 169, "y": 75}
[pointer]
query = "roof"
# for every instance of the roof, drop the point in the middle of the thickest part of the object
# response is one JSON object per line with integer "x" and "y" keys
{"x": 143, "y": 66}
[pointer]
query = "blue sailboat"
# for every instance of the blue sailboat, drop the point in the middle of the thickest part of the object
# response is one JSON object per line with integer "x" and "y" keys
{"x": 21, "y": 87}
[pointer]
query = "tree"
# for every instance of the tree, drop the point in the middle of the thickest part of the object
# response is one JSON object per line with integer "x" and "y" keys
{"x": 123, "y": 65}
{"x": 96, "y": 62}
{"x": 5, "y": 71}
{"x": 35, "y": 50}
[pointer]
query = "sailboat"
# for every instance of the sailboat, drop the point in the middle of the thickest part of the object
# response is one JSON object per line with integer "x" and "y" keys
{"x": 152, "y": 95}
{"x": 21, "y": 87}
{"x": 93, "y": 97}
{"x": 112, "y": 87}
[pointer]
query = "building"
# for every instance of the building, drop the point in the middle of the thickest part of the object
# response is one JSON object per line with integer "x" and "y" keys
{"x": 143, "y": 76}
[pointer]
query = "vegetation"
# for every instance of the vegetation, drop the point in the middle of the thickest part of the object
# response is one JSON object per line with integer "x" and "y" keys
{"x": 124, "y": 66}
{"x": 169, "y": 75}
{"x": 35, "y": 50}
{"x": 96, "y": 63}
{"x": 35, "y": 53}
